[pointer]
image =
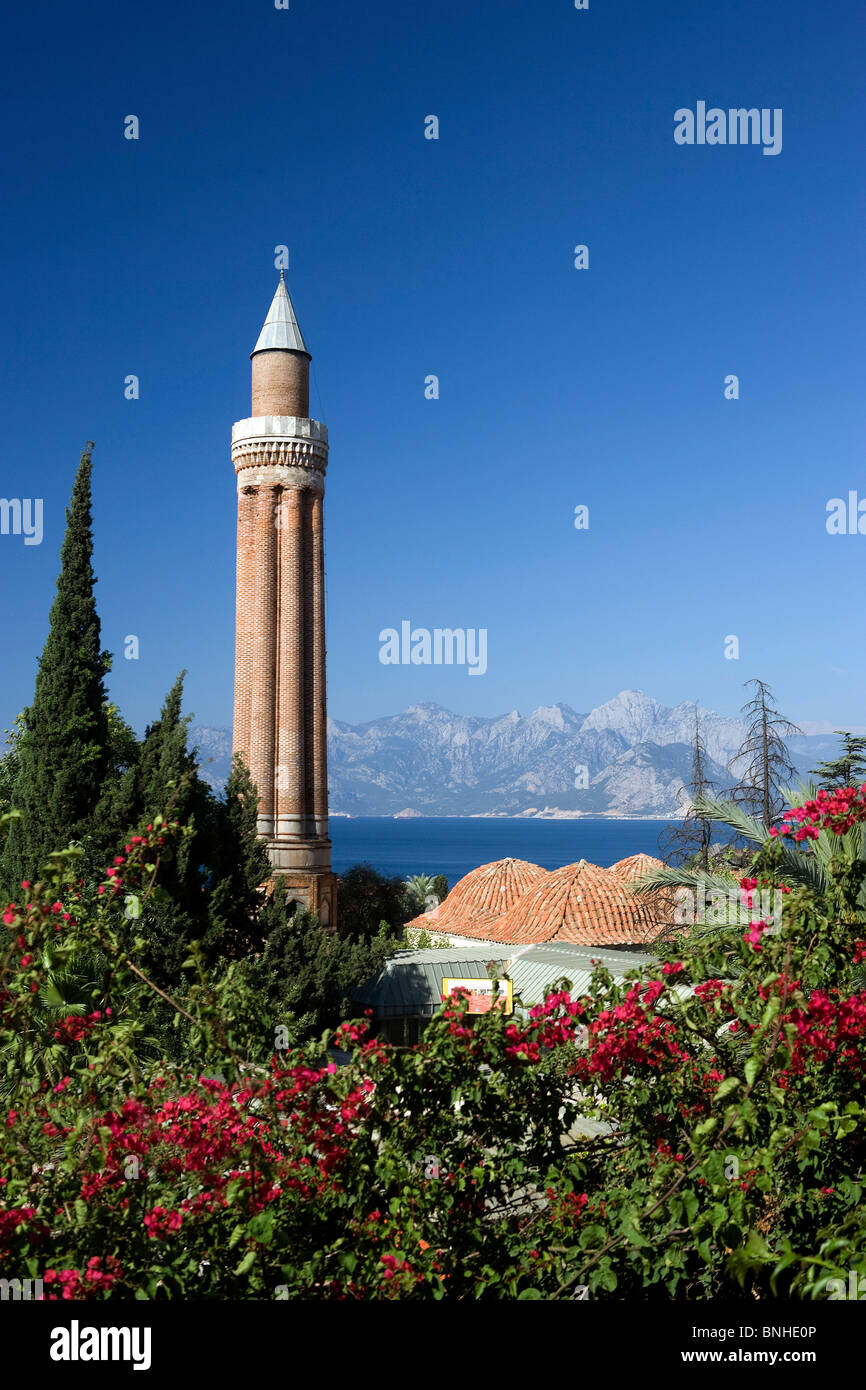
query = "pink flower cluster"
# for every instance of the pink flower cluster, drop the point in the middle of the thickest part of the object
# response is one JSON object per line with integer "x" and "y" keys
{"x": 13, "y": 914}
{"x": 393, "y": 1266}
{"x": 754, "y": 934}
{"x": 554, "y": 1022}
{"x": 837, "y": 811}
{"x": 152, "y": 841}
{"x": 75, "y": 1027}
{"x": 631, "y": 1035}
{"x": 14, "y": 1217}
{"x": 213, "y": 1132}
{"x": 160, "y": 1221}
{"x": 710, "y": 990}
{"x": 830, "y": 1027}
{"x": 348, "y": 1033}
{"x": 94, "y": 1281}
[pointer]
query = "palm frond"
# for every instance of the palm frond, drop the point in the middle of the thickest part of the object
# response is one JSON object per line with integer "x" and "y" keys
{"x": 670, "y": 878}
{"x": 730, "y": 814}
{"x": 809, "y": 869}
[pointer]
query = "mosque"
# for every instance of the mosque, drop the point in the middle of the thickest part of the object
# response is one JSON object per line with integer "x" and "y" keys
{"x": 521, "y": 924}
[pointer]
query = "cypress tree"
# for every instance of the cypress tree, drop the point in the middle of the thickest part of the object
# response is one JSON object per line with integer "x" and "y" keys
{"x": 240, "y": 867}
{"x": 165, "y": 778}
{"x": 306, "y": 975}
{"x": 165, "y": 757}
{"x": 117, "y": 809}
{"x": 62, "y": 754}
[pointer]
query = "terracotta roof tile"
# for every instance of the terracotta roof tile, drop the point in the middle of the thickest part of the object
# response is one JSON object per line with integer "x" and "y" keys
{"x": 635, "y": 866}
{"x": 579, "y": 903}
{"x": 481, "y": 895}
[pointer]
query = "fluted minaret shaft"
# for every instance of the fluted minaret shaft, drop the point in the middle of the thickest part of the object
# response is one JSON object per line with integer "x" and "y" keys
{"x": 244, "y": 625}
{"x": 319, "y": 703}
{"x": 291, "y": 751}
{"x": 263, "y": 691}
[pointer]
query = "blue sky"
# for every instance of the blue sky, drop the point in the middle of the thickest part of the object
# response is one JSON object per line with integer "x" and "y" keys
{"x": 455, "y": 257}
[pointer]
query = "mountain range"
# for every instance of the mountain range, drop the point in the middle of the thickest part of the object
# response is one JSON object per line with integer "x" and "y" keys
{"x": 630, "y": 756}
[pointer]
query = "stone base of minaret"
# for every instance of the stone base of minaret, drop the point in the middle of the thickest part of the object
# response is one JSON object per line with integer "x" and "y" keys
{"x": 314, "y": 890}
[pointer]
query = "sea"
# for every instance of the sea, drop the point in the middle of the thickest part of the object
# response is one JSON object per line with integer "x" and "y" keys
{"x": 453, "y": 845}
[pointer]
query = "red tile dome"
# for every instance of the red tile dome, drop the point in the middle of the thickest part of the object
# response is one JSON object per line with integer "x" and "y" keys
{"x": 580, "y": 903}
{"x": 480, "y": 896}
{"x": 635, "y": 866}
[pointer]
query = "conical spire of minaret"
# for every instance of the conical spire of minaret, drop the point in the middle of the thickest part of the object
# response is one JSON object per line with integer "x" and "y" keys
{"x": 280, "y": 328}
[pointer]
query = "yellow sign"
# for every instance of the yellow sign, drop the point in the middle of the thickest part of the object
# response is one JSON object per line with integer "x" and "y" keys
{"x": 484, "y": 995}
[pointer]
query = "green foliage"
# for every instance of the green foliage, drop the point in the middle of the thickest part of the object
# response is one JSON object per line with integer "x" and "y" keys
{"x": 306, "y": 974}
{"x": 420, "y": 894}
{"x": 10, "y": 764}
{"x": 422, "y": 940}
{"x": 813, "y": 870}
{"x": 440, "y": 887}
{"x": 367, "y": 898}
{"x": 62, "y": 750}
{"x": 849, "y": 769}
{"x": 240, "y": 868}
{"x": 696, "y": 1131}
{"x": 203, "y": 893}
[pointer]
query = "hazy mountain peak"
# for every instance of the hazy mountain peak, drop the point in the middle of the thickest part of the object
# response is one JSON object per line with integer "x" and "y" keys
{"x": 630, "y": 713}
{"x": 629, "y": 756}
{"x": 549, "y": 714}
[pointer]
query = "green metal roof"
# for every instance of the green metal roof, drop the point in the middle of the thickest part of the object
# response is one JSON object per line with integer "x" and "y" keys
{"x": 410, "y": 984}
{"x": 533, "y": 971}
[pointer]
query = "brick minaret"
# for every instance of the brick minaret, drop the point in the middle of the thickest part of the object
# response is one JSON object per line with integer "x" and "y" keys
{"x": 280, "y": 456}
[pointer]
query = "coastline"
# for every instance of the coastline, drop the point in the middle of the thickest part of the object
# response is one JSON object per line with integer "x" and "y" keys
{"x": 520, "y": 816}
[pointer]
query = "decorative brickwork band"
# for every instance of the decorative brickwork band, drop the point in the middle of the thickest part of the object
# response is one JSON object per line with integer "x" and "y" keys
{"x": 308, "y": 455}
{"x": 288, "y": 449}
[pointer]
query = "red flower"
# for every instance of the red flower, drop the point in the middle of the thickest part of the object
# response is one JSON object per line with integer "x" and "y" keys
{"x": 160, "y": 1222}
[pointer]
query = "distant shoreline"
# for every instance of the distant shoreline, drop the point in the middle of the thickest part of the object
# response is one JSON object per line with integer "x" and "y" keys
{"x": 496, "y": 815}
